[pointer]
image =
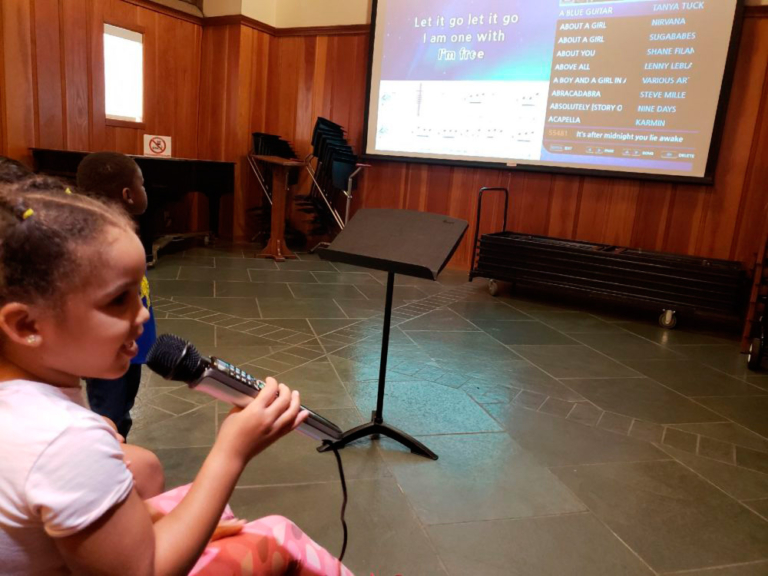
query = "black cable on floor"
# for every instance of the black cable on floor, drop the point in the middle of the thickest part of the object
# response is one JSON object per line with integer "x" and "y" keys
{"x": 344, "y": 503}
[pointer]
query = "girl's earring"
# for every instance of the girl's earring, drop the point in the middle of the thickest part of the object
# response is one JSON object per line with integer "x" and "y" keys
{"x": 33, "y": 339}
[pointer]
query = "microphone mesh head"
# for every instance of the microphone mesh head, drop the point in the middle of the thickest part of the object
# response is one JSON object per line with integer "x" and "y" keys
{"x": 174, "y": 358}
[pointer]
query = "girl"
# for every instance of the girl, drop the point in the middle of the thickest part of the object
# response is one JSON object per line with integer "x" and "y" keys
{"x": 70, "y": 274}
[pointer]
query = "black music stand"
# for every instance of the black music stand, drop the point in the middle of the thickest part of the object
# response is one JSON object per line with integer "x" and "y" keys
{"x": 398, "y": 242}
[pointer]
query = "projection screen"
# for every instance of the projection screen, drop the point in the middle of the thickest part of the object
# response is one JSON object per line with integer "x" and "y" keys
{"x": 623, "y": 86}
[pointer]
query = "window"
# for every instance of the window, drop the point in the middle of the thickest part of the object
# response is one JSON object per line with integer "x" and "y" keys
{"x": 123, "y": 74}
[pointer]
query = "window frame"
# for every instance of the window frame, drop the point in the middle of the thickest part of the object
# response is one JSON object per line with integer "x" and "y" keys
{"x": 115, "y": 122}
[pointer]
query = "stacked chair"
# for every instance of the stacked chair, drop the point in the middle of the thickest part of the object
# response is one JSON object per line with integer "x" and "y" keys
{"x": 333, "y": 178}
{"x": 332, "y": 166}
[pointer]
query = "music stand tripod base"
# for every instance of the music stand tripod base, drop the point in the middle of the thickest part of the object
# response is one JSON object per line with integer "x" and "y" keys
{"x": 376, "y": 427}
{"x": 375, "y": 430}
{"x": 405, "y": 242}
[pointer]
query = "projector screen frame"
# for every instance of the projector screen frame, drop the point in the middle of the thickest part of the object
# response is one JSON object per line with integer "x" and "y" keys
{"x": 714, "y": 150}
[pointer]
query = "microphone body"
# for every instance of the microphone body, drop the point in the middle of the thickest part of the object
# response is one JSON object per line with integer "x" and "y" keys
{"x": 230, "y": 384}
{"x": 175, "y": 359}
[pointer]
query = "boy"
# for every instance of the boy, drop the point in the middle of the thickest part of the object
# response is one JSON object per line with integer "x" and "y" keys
{"x": 116, "y": 176}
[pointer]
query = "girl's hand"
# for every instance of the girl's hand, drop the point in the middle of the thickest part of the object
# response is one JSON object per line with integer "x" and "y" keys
{"x": 274, "y": 412}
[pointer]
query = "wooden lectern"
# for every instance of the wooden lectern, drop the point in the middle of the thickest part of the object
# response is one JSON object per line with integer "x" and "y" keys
{"x": 281, "y": 168}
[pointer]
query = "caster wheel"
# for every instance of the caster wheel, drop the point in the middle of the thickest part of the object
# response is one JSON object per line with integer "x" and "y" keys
{"x": 668, "y": 319}
{"x": 493, "y": 287}
{"x": 755, "y": 355}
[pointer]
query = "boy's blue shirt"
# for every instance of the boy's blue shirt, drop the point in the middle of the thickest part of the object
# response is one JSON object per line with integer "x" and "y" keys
{"x": 148, "y": 337}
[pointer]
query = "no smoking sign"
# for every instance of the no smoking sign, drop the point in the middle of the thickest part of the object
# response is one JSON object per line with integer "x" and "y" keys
{"x": 157, "y": 145}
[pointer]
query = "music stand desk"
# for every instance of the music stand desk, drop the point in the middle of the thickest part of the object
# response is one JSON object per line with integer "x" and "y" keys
{"x": 281, "y": 167}
{"x": 406, "y": 242}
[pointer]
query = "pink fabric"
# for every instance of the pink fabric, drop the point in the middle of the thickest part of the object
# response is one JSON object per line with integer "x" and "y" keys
{"x": 270, "y": 546}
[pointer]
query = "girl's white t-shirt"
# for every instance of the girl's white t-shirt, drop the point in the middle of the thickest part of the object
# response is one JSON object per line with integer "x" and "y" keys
{"x": 61, "y": 469}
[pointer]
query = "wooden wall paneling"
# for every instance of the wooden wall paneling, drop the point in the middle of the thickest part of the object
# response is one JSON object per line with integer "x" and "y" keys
{"x": 33, "y": 42}
{"x": 299, "y": 129}
{"x": 492, "y": 216}
{"x": 171, "y": 67}
{"x": 518, "y": 200}
{"x": 98, "y": 128}
{"x": 283, "y": 86}
{"x": 276, "y": 73}
{"x": 20, "y": 105}
{"x": 305, "y": 76}
{"x": 159, "y": 91}
{"x": 240, "y": 142}
{"x": 593, "y": 209}
{"x": 357, "y": 105}
{"x": 342, "y": 50}
{"x": 261, "y": 46}
{"x": 348, "y": 68}
{"x": 416, "y": 187}
{"x": 225, "y": 114}
{"x": 178, "y": 89}
{"x": 123, "y": 139}
{"x": 687, "y": 211}
{"x": 620, "y": 216}
{"x": 754, "y": 208}
{"x": 2, "y": 89}
{"x": 215, "y": 83}
{"x": 380, "y": 185}
{"x": 531, "y": 199}
{"x": 207, "y": 108}
{"x": 439, "y": 186}
{"x": 398, "y": 188}
{"x": 278, "y": 112}
{"x": 321, "y": 89}
{"x": 49, "y": 66}
{"x": 752, "y": 212}
{"x": 120, "y": 139}
{"x": 462, "y": 200}
{"x": 121, "y": 13}
{"x": 719, "y": 228}
{"x": 469, "y": 181}
{"x": 75, "y": 73}
{"x": 230, "y": 100}
{"x": 339, "y": 77}
{"x": 250, "y": 190}
{"x": 176, "y": 83}
{"x": 211, "y": 109}
{"x": 651, "y": 215}
{"x": 328, "y": 89}
{"x": 565, "y": 198}
{"x": 186, "y": 102}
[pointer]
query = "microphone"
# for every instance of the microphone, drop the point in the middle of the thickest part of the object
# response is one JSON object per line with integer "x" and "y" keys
{"x": 174, "y": 358}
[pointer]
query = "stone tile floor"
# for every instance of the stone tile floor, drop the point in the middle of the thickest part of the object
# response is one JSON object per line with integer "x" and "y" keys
{"x": 572, "y": 441}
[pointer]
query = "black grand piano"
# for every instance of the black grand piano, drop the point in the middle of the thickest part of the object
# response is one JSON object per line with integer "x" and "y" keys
{"x": 165, "y": 179}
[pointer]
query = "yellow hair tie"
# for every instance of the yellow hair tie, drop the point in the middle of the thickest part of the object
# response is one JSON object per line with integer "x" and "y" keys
{"x": 27, "y": 213}
{"x": 67, "y": 191}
